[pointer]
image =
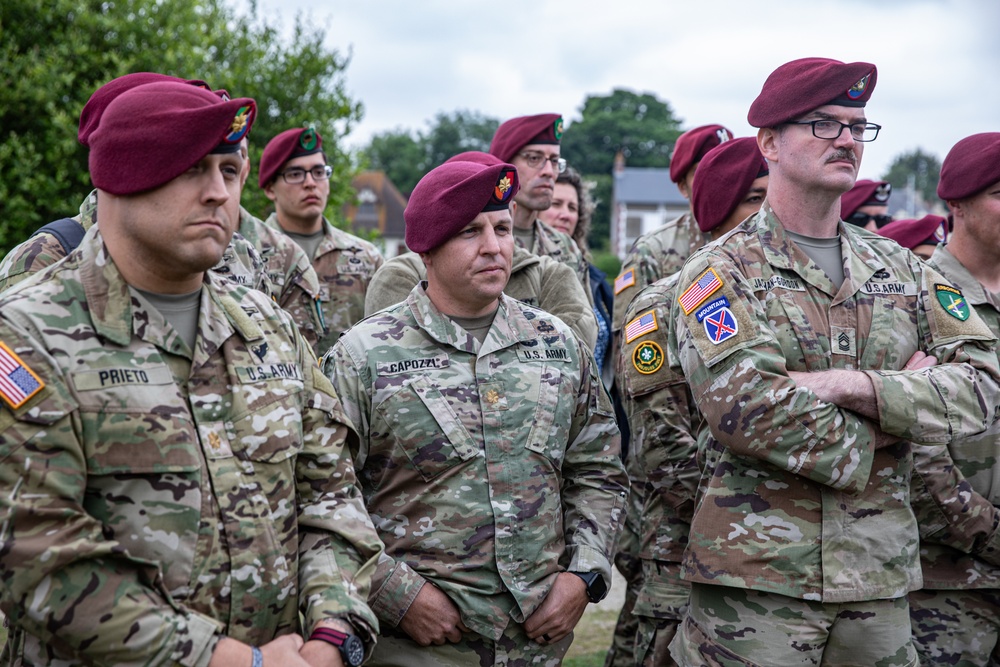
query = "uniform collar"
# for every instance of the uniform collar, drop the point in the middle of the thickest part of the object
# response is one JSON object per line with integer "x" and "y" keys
{"x": 955, "y": 271}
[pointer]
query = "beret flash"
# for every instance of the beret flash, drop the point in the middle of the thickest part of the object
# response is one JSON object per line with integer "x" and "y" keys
{"x": 516, "y": 133}
{"x": 723, "y": 179}
{"x": 970, "y": 166}
{"x": 297, "y": 142}
{"x": 798, "y": 87}
{"x": 450, "y": 196}
{"x": 153, "y": 133}
{"x": 692, "y": 146}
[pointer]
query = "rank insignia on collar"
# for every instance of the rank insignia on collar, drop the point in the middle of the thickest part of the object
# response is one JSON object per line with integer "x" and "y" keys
{"x": 18, "y": 383}
{"x": 647, "y": 357}
{"x": 953, "y": 302}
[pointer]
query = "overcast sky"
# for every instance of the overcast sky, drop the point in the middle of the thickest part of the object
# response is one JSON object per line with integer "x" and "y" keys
{"x": 938, "y": 60}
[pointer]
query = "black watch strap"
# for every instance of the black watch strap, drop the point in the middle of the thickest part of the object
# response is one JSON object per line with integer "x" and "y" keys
{"x": 597, "y": 588}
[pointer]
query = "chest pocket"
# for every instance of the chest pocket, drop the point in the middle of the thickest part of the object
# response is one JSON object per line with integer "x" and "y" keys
{"x": 550, "y": 427}
{"x": 426, "y": 428}
{"x": 143, "y": 471}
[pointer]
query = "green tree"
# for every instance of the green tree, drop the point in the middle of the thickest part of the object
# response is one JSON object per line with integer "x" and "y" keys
{"x": 53, "y": 55}
{"x": 924, "y": 169}
{"x": 406, "y": 155}
{"x": 640, "y": 125}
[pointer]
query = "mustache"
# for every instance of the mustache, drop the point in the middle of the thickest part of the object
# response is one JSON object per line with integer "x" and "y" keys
{"x": 842, "y": 154}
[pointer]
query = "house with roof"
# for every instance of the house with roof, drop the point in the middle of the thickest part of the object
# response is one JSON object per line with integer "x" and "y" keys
{"x": 642, "y": 199}
{"x": 379, "y": 206}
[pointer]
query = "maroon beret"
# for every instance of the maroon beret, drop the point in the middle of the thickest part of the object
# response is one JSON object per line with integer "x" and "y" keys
{"x": 449, "y": 197}
{"x": 971, "y": 165}
{"x": 475, "y": 156}
{"x": 92, "y": 111}
{"x": 798, "y": 87}
{"x": 864, "y": 193}
{"x": 516, "y": 133}
{"x": 289, "y": 144}
{"x": 928, "y": 230}
{"x": 692, "y": 146}
{"x": 723, "y": 179}
{"x": 153, "y": 133}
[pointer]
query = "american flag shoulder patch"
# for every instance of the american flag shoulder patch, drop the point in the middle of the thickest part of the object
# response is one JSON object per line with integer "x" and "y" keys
{"x": 18, "y": 383}
{"x": 625, "y": 280}
{"x": 641, "y": 325}
{"x": 702, "y": 288}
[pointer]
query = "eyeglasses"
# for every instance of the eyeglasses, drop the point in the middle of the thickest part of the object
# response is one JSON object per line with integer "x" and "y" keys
{"x": 831, "y": 129}
{"x": 295, "y": 175}
{"x": 535, "y": 160}
{"x": 861, "y": 219}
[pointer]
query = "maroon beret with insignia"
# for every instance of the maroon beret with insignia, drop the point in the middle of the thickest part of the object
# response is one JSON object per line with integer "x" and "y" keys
{"x": 475, "y": 156}
{"x": 798, "y": 87}
{"x": 864, "y": 193}
{"x": 723, "y": 179}
{"x": 92, "y": 111}
{"x": 449, "y": 197}
{"x": 972, "y": 165}
{"x": 928, "y": 230}
{"x": 692, "y": 146}
{"x": 516, "y": 133}
{"x": 288, "y": 145}
{"x": 153, "y": 133}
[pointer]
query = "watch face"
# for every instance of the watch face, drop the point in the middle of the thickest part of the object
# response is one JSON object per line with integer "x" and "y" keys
{"x": 354, "y": 651}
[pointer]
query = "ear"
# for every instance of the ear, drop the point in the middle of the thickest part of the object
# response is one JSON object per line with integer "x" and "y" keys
{"x": 269, "y": 191}
{"x": 767, "y": 142}
{"x": 955, "y": 206}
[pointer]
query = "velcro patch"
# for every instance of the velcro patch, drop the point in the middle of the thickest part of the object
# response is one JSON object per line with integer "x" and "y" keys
{"x": 843, "y": 341}
{"x": 720, "y": 325}
{"x": 624, "y": 281}
{"x": 647, "y": 357}
{"x": 103, "y": 378}
{"x": 762, "y": 285}
{"x": 952, "y": 301}
{"x": 643, "y": 324}
{"x": 408, "y": 365}
{"x": 264, "y": 372}
{"x": 18, "y": 383}
{"x": 543, "y": 354}
{"x": 704, "y": 287}
{"x": 705, "y": 311}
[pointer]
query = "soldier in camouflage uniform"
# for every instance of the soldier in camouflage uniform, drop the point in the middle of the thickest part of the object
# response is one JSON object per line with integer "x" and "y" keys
{"x": 656, "y": 255}
{"x": 489, "y": 452}
{"x": 295, "y": 176}
{"x": 241, "y": 263}
{"x": 535, "y": 280}
{"x": 730, "y": 187}
{"x": 531, "y": 143}
{"x": 178, "y": 485}
{"x": 811, "y": 348}
{"x": 956, "y": 616}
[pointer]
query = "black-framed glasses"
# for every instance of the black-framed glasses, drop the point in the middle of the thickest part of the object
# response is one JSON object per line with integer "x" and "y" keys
{"x": 831, "y": 129}
{"x": 297, "y": 175}
{"x": 535, "y": 160}
{"x": 861, "y": 219}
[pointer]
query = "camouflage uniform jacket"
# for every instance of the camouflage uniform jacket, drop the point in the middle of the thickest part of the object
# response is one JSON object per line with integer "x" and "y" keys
{"x": 666, "y": 426}
{"x": 240, "y": 263}
{"x": 344, "y": 265}
{"x": 552, "y": 243}
{"x": 535, "y": 280}
{"x": 956, "y": 486}
{"x": 658, "y": 254}
{"x": 292, "y": 277}
{"x": 801, "y": 502}
{"x": 486, "y": 469}
{"x": 158, "y": 498}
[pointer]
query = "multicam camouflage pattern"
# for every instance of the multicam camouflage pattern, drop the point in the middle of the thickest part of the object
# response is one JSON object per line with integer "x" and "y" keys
{"x": 487, "y": 469}
{"x": 157, "y": 497}
{"x": 240, "y": 263}
{"x": 800, "y": 501}
{"x": 735, "y": 627}
{"x": 956, "y": 628}
{"x": 560, "y": 247}
{"x": 666, "y": 427}
{"x": 658, "y": 254}
{"x": 538, "y": 281}
{"x": 290, "y": 273}
{"x": 344, "y": 265}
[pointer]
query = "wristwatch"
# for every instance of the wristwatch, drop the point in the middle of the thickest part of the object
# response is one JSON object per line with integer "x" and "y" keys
{"x": 597, "y": 588}
{"x": 351, "y": 648}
